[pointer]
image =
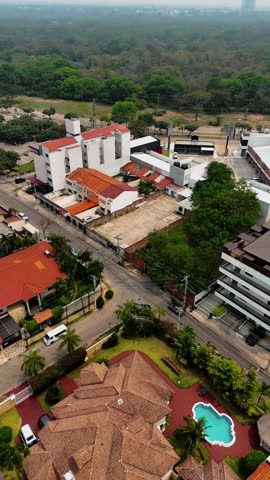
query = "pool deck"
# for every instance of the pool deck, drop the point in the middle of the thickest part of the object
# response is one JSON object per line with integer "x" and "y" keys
{"x": 183, "y": 400}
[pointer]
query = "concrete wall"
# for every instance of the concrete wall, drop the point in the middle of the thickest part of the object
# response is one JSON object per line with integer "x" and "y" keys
{"x": 75, "y": 157}
{"x": 7, "y": 404}
{"x": 40, "y": 168}
{"x": 57, "y": 170}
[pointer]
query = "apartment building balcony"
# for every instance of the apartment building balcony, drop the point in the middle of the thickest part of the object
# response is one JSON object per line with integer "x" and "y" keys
{"x": 232, "y": 272}
{"x": 242, "y": 291}
{"x": 250, "y": 313}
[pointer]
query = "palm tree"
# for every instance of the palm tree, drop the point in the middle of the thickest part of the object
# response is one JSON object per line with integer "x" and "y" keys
{"x": 193, "y": 435}
{"x": 59, "y": 244}
{"x": 264, "y": 390}
{"x": 12, "y": 456}
{"x": 71, "y": 340}
{"x": 85, "y": 256}
{"x": 126, "y": 311}
{"x": 159, "y": 312}
{"x": 185, "y": 341}
{"x": 32, "y": 363}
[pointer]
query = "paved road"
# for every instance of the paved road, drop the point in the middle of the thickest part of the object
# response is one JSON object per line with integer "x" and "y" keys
{"x": 125, "y": 284}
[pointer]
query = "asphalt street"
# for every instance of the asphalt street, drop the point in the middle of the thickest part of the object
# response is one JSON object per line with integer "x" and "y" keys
{"x": 126, "y": 285}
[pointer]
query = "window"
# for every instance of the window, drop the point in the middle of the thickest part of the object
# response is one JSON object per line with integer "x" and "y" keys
{"x": 101, "y": 156}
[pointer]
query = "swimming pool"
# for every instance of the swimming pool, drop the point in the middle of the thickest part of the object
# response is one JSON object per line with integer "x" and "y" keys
{"x": 219, "y": 427}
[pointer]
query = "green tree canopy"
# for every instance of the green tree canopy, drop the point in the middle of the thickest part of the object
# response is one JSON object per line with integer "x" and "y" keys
{"x": 70, "y": 341}
{"x": 123, "y": 112}
{"x": 32, "y": 363}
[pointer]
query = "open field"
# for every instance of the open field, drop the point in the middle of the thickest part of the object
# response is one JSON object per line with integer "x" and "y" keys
{"x": 83, "y": 109}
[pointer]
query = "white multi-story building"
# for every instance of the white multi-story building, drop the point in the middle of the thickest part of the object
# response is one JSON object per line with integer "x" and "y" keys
{"x": 252, "y": 139}
{"x": 245, "y": 281}
{"x": 104, "y": 149}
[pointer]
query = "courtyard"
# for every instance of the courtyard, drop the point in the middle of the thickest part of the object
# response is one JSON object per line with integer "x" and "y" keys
{"x": 132, "y": 227}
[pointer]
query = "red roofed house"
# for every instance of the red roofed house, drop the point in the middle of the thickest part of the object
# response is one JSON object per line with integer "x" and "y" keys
{"x": 262, "y": 472}
{"x": 92, "y": 185}
{"x": 25, "y": 277}
{"x": 105, "y": 149}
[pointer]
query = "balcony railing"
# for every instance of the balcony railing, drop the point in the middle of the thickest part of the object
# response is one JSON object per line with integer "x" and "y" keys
{"x": 230, "y": 269}
{"x": 245, "y": 292}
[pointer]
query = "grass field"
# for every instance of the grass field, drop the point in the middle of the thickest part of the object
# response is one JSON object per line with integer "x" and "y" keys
{"x": 13, "y": 420}
{"x": 82, "y": 109}
{"x": 27, "y": 167}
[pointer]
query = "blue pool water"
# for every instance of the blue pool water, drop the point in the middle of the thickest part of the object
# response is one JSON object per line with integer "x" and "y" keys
{"x": 219, "y": 427}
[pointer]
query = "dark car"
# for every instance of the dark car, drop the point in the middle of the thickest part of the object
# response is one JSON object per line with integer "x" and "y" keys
{"x": 19, "y": 180}
{"x": 175, "y": 308}
{"x": 30, "y": 190}
{"x": 202, "y": 392}
{"x": 43, "y": 420}
{"x": 256, "y": 334}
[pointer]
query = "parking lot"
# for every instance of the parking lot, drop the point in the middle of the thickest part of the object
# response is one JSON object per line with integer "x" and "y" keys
{"x": 241, "y": 168}
{"x": 138, "y": 224}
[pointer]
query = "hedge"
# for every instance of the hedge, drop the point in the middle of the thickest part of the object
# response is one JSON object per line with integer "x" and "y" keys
{"x": 53, "y": 395}
{"x": 50, "y": 375}
{"x": 111, "y": 342}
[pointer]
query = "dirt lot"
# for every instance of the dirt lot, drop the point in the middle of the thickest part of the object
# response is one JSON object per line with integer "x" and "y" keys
{"x": 136, "y": 225}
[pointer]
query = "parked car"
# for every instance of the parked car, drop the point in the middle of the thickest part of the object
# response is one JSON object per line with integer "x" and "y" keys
{"x": 30, "y": 190}
{"x": 19, "y": 180}
{"x": 74, "y": 252}
{"x": 87, "y": 219}
{"x": 43, "y": 420}
{"x": 28, "y": 436}
{"x": 22, "y": 216}
{"x": 175, "y": 156}
{"x": 144, "y": 305}
{"x": 202, "y": 392}
{"x": 175, "y": 308}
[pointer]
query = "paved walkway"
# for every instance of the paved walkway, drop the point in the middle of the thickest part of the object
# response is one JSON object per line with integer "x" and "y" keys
{"x": 68, "y": 385}
{"x": 181, "y": 405}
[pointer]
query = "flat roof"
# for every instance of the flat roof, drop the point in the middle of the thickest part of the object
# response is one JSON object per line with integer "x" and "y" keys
{"x": 152, "y": 161}
{"x": 262, "y": 195}
{"x": 260, "y": 248}
{"x": 142, "y": 141}
{"x": 264, "y": 154}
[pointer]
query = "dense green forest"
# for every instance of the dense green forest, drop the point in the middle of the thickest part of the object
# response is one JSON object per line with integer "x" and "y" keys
{"x": 215, "y": 62}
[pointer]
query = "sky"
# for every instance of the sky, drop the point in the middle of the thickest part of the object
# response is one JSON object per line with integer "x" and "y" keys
{"x": 205, "y": 3}
{"x": 186, "y": 3}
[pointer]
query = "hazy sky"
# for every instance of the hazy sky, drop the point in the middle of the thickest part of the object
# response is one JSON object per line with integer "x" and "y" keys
{"x": 205, "y": 3}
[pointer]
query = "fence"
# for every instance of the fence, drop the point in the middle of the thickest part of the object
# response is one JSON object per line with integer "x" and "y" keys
{"x": 15, "y": 399}
{"x": 82, "y": 303}
{"x": 23, "y": 395}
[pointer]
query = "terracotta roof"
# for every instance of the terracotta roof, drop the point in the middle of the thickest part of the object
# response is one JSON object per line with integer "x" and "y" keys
{"x": 11, "y": 219}
{"x": 113, "y": 191}
{"x": 98, "y": 183}
{"x": 101, "y": 443}
{"x": 164, "y": 183}
{"x": 26, "y": 273}
{"x": 262, "y": 472}
{"x": 141, "y": 173}
{"x": 104, "y": 132}
{"x": 80, "y": 207}
{"x": 153, "y": 176}
{"x": 190, "y": 469}
{"x": 130, "y": 167}
{"x": 43, "y": 316}
{"x": 2, "y": 211}
{"x": 53, "y": 145}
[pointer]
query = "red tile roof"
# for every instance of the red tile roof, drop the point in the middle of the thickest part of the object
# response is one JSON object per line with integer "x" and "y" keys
{"x": 130, "y": 167}
{"x": 11, "y": 219}
{"x": 80, "y": 207}
{"x": 53, "y": 145}
{"x": 43, "y": 316}
{"x": 262, "y": 472}
{"x": 97, "y": 182}
{"x": 164, "y": 183}
{"x": 104, "y": 132}
{"x": 153, "y": 176}
{"x": 141, "y": 173}
{"x": 113, "y": 191}
{"x": 26, "y": 273}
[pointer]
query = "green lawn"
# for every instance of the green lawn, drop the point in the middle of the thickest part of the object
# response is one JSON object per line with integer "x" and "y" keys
{"x": 235, "y": 464}
{"x": 13, "y": 420}
{"x": 44, "y": 404}
{"x": 82, "y": 109}
{"x": 155, "y": 349}
{"x": 27, "y": 167}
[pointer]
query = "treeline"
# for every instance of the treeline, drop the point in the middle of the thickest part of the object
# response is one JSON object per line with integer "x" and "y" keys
{"x": 26, "y": 128}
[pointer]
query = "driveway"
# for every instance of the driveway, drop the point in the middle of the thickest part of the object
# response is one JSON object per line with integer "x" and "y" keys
{"x": 30, "y": 410}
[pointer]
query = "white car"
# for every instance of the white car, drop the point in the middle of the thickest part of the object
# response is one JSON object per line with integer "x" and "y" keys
{"x": 28, "y": 435}
{"x": 175, "y": 156}
{"x": 22, "y": 216}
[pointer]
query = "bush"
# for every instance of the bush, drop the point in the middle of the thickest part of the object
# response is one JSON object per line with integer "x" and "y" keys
{"x": 72, "y": 360}
{"x": 53, "y": 395}
{"x": 252, "y": 460}
{"x": 111, "y": 342}
{"x": 218, "y": 311}
{"x": 58, "y": 312}
{"x": 100, "y": 302}
{"x": 45, "y": 379}
{"x": 5, "y": 434}
{"x": 109, "y": 294}
{"x": 50, "y": 375}
{"x": 31, "y": 326}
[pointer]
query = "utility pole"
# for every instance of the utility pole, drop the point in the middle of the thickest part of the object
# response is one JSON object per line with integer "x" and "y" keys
{"x": 158, "y": 102}
{"x": 118, "y": 238}
{"x": 185, "y": 280}
{"x": 93, "y": 115}
{"x": 95, "y": 285}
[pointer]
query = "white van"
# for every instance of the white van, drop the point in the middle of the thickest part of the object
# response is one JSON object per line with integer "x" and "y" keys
{"x": 54, "y": 335}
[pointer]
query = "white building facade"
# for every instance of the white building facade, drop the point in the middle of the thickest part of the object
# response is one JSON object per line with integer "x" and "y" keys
{"x": 245, "y": 281}
{"x": 105, "y": 149}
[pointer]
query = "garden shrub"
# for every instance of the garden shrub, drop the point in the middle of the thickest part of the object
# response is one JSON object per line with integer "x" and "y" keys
{"x": 45, "y": 379}
{"x": 218, "y": 311}
{"x": 100, "y": 302}
{"x": 53, "y": 394}
{"x": 5, "y": 434}
{"x": 31, "y": 326}
{"x": 72, "y": 360}
{"x": 111, "y": 342}
{"x": 252, "y": 460}
{"x": 103, "y": 360}
{"x": 58, "y": 312}
{"x": 50, "y": 375}
{"x": 109, "y": 294}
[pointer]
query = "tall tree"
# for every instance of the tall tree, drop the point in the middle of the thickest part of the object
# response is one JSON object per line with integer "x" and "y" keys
{"x": 12, "y": 457}
{"x": 71, "y": 340}
{"x": 184, "y": 343}
{"x": 59, "y": 244}
{"x": 32, "y": 363}
{"x": 194, "y": 436}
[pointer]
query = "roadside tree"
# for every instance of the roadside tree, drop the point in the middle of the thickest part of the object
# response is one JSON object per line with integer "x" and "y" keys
{"x": 32, "y": 363}
{"x": 70, "y": 341}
